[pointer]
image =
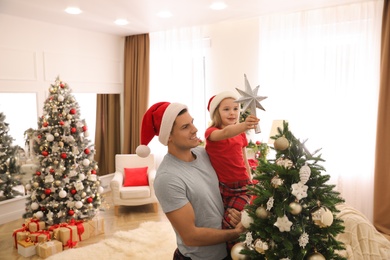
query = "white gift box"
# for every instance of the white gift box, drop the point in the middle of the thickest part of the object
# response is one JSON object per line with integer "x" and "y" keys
{"x": 26, "y": 249}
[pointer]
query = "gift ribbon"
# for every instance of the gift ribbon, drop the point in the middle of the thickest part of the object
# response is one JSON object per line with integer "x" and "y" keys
{"x": 70, "y": 243}
{"x": 80, "y": 226}
{"x": 23, "y": 229}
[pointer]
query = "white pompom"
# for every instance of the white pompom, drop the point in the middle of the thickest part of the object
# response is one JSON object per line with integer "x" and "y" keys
{"x": 142, "y": 151}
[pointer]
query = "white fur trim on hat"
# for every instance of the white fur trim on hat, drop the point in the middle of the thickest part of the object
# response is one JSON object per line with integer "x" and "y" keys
{"x": 167, "y": 121}
{"x": 214, "y": 102}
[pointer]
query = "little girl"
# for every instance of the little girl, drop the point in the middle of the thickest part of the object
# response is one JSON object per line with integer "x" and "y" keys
{"x": 226, "y": 146}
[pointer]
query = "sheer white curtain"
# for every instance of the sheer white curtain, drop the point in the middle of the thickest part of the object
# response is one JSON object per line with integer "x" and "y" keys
{"x": 320, "y": 71}
{"x": 177, "y": 74}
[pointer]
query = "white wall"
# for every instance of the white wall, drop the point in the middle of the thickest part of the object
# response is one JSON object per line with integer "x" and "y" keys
{"x": 33, "y": 53}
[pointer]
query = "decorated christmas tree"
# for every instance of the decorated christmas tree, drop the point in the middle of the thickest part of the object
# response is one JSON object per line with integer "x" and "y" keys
{"x": 66, "y": 184}
{"x": 293, "y": 211}
{"x": 9, "y": 166}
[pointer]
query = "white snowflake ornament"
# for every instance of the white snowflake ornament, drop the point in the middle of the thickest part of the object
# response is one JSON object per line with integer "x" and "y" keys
{"x": 248, "y": 239}
{"x": 283, "y": 223}
{"x": 303, "y": 239}
{"x": 261, "y": 246}
{"x": 299, "y": 190}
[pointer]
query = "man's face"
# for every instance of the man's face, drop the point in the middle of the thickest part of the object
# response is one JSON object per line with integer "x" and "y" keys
{"x": 183, "y": 134}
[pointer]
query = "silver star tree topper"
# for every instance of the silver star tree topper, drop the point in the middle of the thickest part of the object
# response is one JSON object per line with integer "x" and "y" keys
{"x": 250, "y": 100}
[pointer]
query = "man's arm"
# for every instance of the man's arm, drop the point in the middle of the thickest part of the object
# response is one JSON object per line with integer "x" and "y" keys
{"x": 183, "y": 220}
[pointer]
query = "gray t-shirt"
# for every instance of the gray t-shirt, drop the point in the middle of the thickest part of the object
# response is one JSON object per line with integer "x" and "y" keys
{"x": 177, "y": 183}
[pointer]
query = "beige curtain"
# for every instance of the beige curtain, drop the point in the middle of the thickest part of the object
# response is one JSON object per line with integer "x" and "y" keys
{"x": 136, "y": 88}
{"x": 382, "y": 168}
{"x": 107, "y": 137}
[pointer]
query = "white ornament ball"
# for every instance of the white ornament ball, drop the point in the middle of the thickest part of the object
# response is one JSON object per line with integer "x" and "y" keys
{"x": 142, "y": 151}
{"x": 101, "y": 189}
{"x": 235, "y": 252}
{"x": 49, "y": 137}
{"x": 28, "y": 186}
{"x": 60, "y": 98}
{"x": 81, "y": 176}
{"x": 39, "y": 214}
{"x": 246, "y": 220}
{"x": 83, "y": 194}
{"x": 281, "y": 143}
{"x": 295, "y": 208}
{"x": 34, "y": 206}
{"x": 316, "y": 256}
{"x": 86, "y": 162}
{"x": 62, "y": 194}
{"x": 78, "y": 204}
{"x": 61, "y": 144}
{"x": 262, "y": 213}
{"x": 322, "y": 217}
{"x": 69, "y": 116}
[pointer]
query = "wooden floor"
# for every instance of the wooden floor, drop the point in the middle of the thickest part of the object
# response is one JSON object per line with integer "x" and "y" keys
{"x": 128, "y": 218}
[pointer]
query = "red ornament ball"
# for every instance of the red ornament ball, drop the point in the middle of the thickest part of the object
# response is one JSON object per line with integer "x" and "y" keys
{"x": 47, "y": 191}
{"x": 258, "y": 142}
{"x": 43, "y": 208}
{"x": 73, "y": 130}
{"x": 52, "y": 170}
{"x": 45, "y": 124}
{"x": 45, "y": 153}
{"x": 85, "y": 128}
{"x": 39, "y": 136}
{"x": 38, "y": 173}
{"x": 62, "y": 85}
{"x": 62, "y": 122}
{"x": 93, "y": 171}
{"x": 64, "y": 155}
{"x": 73, "y": 191}
{"x": 86, "y": 151}
{"x": 89, "y": 200}
{"x": 70, "y": 212}
{"x": 72, "y": 111}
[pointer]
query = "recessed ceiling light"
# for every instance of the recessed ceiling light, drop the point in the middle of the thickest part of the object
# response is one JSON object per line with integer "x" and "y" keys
{"x": 73, "y": 10}
{"x": 218, "y": 6}
{"x": 164, "y": 14}
{"x": 121, "y": 22}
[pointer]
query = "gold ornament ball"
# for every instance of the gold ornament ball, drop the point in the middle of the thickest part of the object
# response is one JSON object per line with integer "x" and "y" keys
{"x": 235, "y": 252}
{"x": 295, "y": 208}
{"x": 316, "y": 256}
{"x": 35, "y": 184}
{"x": 281, "y": 143}
{"x": 262, "y": 213}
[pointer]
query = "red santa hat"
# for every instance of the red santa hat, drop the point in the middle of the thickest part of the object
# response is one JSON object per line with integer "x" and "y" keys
{"x": 215, "y": 100}
{"x": 158, "y": 120}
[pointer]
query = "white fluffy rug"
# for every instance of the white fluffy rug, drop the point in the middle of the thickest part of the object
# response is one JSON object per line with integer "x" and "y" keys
{"x": 152, "y": 240}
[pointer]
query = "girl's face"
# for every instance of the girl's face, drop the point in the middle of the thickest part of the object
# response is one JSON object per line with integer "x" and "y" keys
{"x": 229, "y": 111}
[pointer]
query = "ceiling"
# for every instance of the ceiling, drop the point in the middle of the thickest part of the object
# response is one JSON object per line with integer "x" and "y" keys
{"x": 99, "y": 15}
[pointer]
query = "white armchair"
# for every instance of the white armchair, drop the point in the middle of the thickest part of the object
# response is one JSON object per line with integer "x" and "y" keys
{"x": 133, "y": 195}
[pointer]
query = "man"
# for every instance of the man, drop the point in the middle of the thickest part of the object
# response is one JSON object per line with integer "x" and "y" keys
{"x": 186, "y": 185}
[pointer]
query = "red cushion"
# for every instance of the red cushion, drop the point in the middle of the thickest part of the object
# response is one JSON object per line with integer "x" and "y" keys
{"x": 136, "y": 177}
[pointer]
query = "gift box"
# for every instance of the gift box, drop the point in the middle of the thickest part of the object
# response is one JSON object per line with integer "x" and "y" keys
{"x": 67, "y": 235}
{"x": 35, "y": 225}
{"x": 26, "y": 248}
{"x": 40, "y": 236}
{"x": 20, "y": 234}
{"x": 49, "y": 248}
{"x": 83, "y": 231}
{"x": 95, "y": 226}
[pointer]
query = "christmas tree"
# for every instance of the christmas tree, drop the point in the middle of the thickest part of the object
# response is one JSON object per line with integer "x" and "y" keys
{"x": 9, "y": 165}
{"x": 66, "y": 184}
{"x": 292, "y": 214}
